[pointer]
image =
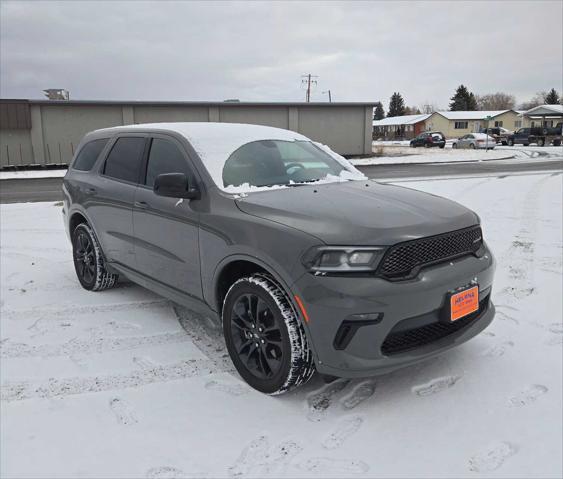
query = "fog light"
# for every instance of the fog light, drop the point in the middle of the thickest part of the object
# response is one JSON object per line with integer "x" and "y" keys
{"x": 374, "y": 318}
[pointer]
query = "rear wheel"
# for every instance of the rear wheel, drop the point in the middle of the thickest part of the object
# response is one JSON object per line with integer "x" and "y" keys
{"x": 472, "y": 146}
{"x": 541, "y": 141}
{"x": 511, "y": 142}
{"x": 264, "y": 336}
{"x": 89, "y": 262}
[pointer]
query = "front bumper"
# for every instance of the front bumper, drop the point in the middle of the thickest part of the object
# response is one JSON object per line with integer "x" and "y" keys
{"x": 331, "y": 300}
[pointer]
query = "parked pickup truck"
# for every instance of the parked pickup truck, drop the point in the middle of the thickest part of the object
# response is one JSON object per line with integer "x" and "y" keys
{"x": 539, "y": 135}
{"x": 499, "y": 133}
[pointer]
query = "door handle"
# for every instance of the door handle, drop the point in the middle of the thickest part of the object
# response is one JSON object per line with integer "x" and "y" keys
{"x": 141, "y": 205}
{"x": 91, "y": 191}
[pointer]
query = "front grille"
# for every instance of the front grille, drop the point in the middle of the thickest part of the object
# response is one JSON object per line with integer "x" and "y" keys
{"x": 401, "y": 341}
{"x": 403, "y": 260}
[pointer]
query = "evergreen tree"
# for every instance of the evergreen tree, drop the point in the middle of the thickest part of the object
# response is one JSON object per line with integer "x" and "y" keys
{"x": 379, "y": 112}
{"x": 463, "y": 100}
{"x": 552, "y": 98}
{"x": 396, "y": 105}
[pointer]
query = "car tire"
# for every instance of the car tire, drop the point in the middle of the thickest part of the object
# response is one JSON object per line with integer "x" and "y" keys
{"x": 265, "y": 337}
{"x": 454, "y": 146}
{"x": 504, "y": 143}
{"x": 556, "y": 142}
{"x": 442, "y": 146}
{"x": 89, "y": 262}
{"x": 525, "y": 144}
{"x": 510, "y": 142}
{"x": 541, "y": 142}
{"x": 472, "y": 146}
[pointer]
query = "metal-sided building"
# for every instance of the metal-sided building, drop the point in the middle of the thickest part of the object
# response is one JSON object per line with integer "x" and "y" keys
{"x": 43, "y": 132}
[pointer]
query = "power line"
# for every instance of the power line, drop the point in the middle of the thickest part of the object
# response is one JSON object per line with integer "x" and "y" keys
{"x": 308, "y": 79}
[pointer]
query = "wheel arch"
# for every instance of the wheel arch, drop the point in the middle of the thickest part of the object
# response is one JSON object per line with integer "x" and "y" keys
{"x": 238, "y": 266}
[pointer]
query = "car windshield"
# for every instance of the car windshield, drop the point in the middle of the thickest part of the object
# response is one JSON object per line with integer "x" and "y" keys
{"x": 267, "y": 163}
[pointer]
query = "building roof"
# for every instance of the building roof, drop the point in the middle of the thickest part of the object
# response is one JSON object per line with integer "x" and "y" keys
{"x": 545, "y": 110}
{"x": 229, "y": 104}
{"x": 471, "y": 115}
{"x": 400, "y": 120}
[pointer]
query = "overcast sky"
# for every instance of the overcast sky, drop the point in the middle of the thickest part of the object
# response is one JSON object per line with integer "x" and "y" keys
{"x": 255, "y": 51}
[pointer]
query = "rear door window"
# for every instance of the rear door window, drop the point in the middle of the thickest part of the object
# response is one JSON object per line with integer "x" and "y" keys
{"x": 89, "y": 154}
{"x": 124, "y": 159}
{"x": 165, "y": 157}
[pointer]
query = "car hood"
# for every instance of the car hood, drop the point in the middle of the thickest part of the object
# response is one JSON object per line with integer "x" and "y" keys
{"x": 359, "y": 212}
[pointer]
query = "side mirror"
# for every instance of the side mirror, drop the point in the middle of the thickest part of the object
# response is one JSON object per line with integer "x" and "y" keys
{"x": 175, "y": 185}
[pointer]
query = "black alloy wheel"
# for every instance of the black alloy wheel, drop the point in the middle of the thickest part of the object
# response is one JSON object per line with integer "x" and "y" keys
{"x": 257, "y": 336}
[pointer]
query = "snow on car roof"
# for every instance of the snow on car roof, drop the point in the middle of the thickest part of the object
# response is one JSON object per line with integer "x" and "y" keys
{"x": 215, "y": 142}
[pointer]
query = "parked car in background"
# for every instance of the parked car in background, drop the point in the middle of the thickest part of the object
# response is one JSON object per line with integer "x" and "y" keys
{"x": 429, "y": 139}
{"x": 498, "y": 133}
{"x": 539, "y": 135}
{"x": 475, "y": 141}
{"x": 304, "y": 262}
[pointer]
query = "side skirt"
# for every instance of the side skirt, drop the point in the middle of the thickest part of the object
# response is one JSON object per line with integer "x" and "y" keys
{"x": 173, "y": 294}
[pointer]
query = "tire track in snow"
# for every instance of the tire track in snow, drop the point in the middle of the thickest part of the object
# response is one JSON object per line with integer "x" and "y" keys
{"x": 207, "y": 336}
{"x": 76, "y": 310}
{"x": 94, "y": 345}
{"x": 520, "y": 256}
{"x": 56, "y": 387}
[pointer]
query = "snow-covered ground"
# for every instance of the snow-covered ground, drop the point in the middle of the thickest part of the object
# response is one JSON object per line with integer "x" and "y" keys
{"x": 28, "y": 174}
{"x": 397, "y": 153}
{"x": 124, "y": 384}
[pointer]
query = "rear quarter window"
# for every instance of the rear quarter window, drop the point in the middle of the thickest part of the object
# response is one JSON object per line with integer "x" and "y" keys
{"x": 88, "y": 155}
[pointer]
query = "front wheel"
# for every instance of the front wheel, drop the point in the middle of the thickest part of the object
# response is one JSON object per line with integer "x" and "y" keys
{"x": 454, "y": 146}
{"x": 510, "y": 142}
{"x": 264, "y": 336}
{"x": 541, "y": 142}
{"x": 89, "y": 262}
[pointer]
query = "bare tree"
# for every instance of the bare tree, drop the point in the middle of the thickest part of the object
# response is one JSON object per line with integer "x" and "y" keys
{"x": 428, "y": 107}
{"x": 537, "y": 100}
{"x": 496, "y": 101}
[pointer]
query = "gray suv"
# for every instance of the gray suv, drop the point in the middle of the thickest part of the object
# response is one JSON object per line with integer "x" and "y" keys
{"x": 309, "y": 265}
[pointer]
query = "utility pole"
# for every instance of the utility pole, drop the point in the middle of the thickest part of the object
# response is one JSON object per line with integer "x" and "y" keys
{"x": 308, "y": 79}
{"x": 329, "y": 96}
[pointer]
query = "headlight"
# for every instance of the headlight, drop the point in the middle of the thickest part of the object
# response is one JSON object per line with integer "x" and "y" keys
{"x": 338, "y": 259}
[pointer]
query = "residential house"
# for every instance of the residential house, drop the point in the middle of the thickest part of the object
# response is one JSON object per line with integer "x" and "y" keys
{"x": 454, "y": 124}
{"x": 399, "y": 127}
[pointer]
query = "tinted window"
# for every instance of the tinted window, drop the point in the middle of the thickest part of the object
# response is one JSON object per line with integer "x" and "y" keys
{"x": 124, "y": 159}
{"x": 89, "y": 154}
{"x": 165, "y": 157}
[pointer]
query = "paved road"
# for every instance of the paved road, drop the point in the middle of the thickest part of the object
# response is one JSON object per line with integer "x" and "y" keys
{"x": 49, "y": 189}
